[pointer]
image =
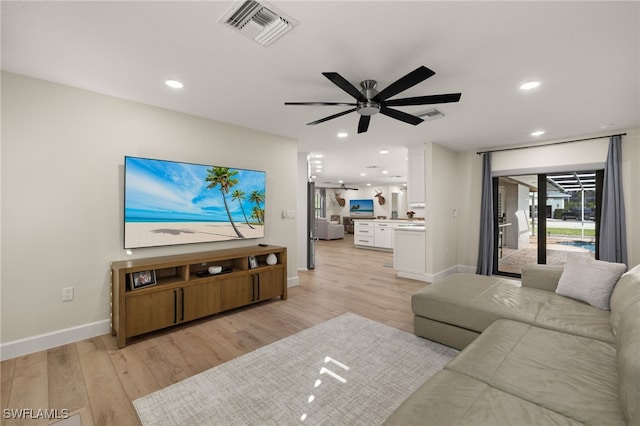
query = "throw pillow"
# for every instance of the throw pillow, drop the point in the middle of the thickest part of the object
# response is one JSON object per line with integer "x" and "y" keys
{"x": 589, "y": 280}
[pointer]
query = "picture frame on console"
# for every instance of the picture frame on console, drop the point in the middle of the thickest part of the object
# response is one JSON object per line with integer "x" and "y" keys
{"x": 142, "y": 279}
{"x": 253, "y": 262}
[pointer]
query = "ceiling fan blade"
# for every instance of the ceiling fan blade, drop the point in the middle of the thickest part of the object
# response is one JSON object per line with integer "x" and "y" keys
{"x": 403, "y": 83}
{"x": 363, "y": 124}
{"x": 342, "y": 83}
{"x": 400, "y": 115}
{"x": 321, "y": 103}
{"x": 425, "y": 100}
{"x": 331, "y": 117}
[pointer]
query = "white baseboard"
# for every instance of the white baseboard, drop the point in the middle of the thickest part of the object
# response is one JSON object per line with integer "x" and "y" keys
{"x": 467, "y": 269}
{"x": 439, "y": 276}
{"x": 452, "y": 270}
{"x": 46, "y": 341}
{"x": 50, "y": 340}
{"x": 427, "y": 278}
{"x": 292, "y": 281}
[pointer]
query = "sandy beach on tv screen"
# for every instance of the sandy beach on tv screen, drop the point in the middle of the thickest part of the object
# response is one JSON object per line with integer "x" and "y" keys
{"x": 151, "y": 234}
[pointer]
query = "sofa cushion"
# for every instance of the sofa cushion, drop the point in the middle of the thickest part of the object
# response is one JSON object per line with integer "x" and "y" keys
{"x": 571, "y": 375}
{"x": 570, "y": 316}
{"x": 589, "y": 280}
{"x": 474, "y": 302}
{"x": 452, "y": 398}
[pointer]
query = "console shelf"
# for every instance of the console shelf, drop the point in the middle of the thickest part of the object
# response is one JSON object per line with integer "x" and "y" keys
{"x": 182, "y": 292}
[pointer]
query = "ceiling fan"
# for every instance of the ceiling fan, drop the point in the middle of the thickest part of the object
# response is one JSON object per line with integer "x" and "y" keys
{"x": 369, "y": 101}
{"x": 342, "y": 186}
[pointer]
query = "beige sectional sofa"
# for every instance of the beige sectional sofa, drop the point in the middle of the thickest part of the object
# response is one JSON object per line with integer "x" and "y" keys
{"x": 530, "y": 356}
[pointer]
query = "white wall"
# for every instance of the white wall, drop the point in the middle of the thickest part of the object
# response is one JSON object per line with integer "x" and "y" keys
{"x": 62, "y": 197}
{"x": 469, "y": 166}
{"x": 577, "y": 156}
{"x": 631, "y": 185}
{"x": 441, "y": 204}
{"x": 301, "y": 188}
{"x": 367, "y": 192}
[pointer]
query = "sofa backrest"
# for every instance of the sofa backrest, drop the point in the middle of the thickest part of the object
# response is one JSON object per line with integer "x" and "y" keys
{"x": 625, "y": 293}
{"x": 625, "y": 324}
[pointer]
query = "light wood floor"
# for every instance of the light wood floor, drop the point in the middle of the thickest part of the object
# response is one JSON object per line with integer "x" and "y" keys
{"x": 99, "y": 382}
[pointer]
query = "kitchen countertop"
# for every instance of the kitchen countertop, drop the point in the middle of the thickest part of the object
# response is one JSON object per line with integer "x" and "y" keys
{"x": 410, "y": 228}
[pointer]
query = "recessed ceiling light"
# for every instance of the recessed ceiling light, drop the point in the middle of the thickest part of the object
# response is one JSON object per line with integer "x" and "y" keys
{"x": 175, "y": 84}
{"x": 368, "y": 184}
{"x": 343, "y": 134}
{"x": 363, "y": 174}
{"x": 537, "y": 133}
{"x": 340, "y": 181}
{"x": 384, "y": 151}
{"x": 384, "y": 172}
{"x": 529, "y": 85}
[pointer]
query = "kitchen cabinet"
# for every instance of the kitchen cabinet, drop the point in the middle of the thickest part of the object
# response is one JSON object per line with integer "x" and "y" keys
{"x": 409, "y": 256}
{"x": 416, "y": 178}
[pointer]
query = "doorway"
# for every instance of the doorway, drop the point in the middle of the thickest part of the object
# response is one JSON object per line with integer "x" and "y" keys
{"x": 540, "y": 218}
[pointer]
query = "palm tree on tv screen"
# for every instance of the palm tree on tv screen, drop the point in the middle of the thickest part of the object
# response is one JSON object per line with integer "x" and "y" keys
{"x": 258, "y": 214}
{"x": 224, "y": 177}
{"x": 257, "y": 197}
{"x": 238, "y": 195}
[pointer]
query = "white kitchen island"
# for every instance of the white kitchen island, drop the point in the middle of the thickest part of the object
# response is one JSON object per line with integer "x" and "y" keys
{"x": 379, "y": 233}
{"x": 409, "y": 254}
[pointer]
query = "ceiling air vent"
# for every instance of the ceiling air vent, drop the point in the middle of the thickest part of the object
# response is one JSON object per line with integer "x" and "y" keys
{"x": 257, "y": 20}
{"x": 431, "y": 114}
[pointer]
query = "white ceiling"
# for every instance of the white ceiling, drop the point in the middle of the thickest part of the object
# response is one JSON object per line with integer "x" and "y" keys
{"x": 586, "y": 54}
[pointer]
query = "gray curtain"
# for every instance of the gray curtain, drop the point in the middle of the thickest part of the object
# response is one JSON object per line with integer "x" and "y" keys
{"x": 613, "y": 228}
{"x": 485, "y": 252}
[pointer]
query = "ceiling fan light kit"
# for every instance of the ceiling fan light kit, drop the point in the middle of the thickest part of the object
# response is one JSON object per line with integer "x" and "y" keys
{"x": 370, "y": 102}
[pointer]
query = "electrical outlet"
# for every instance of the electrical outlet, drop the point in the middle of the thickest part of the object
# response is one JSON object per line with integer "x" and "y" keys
{"x": 67, "y": 294}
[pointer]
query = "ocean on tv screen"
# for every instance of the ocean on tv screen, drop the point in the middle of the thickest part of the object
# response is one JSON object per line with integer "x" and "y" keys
{"x": 161, "y": 192}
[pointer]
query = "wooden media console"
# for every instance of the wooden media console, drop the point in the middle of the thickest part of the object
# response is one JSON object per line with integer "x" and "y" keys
{"x": 171, "y": 290}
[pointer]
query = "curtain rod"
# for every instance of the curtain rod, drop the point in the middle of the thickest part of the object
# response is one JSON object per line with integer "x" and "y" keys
{"x": 551, "y": 143}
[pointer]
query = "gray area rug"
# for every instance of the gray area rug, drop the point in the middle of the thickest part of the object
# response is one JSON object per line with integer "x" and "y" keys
{"x": 348, "y": 370}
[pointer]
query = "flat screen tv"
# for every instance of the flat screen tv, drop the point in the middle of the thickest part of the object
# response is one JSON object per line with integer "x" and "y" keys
{"x": 168, "y": 203}
{"x": 361, "y": 208}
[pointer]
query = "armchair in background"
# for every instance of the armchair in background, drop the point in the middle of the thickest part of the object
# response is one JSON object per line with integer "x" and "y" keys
{"x": 328, "y": 230}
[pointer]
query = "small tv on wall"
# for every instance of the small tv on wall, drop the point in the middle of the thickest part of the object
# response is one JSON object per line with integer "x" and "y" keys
{"x": 169, "y": 202}
{"x": 361, "y": 208}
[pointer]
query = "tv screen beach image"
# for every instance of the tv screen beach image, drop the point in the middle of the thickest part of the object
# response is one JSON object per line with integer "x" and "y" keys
{"x": 361, "y": 208}
{"x": 169, "y": 203}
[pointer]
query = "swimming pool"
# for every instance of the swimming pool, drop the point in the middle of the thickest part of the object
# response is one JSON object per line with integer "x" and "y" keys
{"x": 591, "y": 246}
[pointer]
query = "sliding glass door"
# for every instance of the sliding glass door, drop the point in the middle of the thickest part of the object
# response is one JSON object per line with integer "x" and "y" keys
{"x": 516, "y": 233}
{"x": 542, "y": 217}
